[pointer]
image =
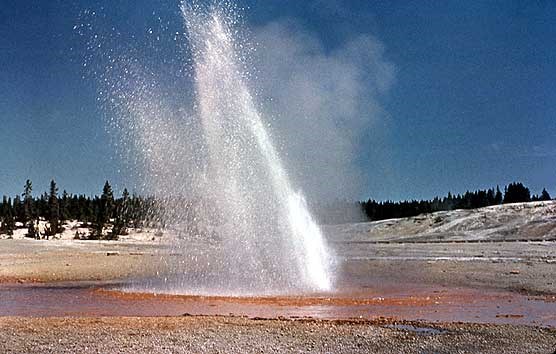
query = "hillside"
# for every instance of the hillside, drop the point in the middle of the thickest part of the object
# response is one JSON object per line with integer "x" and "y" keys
{"x": 507, "y": 222}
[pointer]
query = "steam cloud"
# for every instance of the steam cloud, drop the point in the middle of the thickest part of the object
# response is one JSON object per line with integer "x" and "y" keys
{"x": 319, "y": 102}
{"x": 322, "y": 101}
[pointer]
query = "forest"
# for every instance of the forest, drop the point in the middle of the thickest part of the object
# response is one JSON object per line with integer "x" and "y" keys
{"x": 96, "y": 212}
{"x": 108, "y": 217}
{"x": 515, "y": 192}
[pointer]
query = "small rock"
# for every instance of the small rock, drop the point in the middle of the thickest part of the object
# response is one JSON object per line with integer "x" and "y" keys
{"x": 515, "y": 271}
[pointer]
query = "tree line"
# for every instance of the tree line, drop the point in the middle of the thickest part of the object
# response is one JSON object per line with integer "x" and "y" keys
{"x": 513, "y": 193}
{"x": 97, "y": 213}
{"x": 107, "y": 216}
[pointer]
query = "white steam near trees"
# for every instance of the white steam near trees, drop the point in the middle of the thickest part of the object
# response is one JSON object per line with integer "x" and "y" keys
{"x": 322, "y": 103}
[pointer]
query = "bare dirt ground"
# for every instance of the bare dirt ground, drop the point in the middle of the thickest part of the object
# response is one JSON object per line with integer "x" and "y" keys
{"x": 241, "y": 335}
{"x": 67, "y": 260}
{"x": 510, "y": 251}
{"x": 526, "y": 268}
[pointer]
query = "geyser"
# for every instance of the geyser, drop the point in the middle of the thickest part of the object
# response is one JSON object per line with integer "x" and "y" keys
{"x": 241, "y": 227}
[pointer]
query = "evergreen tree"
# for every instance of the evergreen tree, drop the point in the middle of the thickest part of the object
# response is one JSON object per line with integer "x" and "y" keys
{"x": 28, "y": 210}
{"x": 107, "y": 202}
{"x": 448, "y": 202}
{"x": 4, "y": 208}
{"x": 28, "y": 201}
{"x": 97, "y": 225}
{"x": 17, "y": 209}
{"x": 53, "y": 211}
{"x": 516, "y": 193}
{"x": 103, "y": 211}
{"x": 491, "y": 197}
{"x": 7, "y": 220}
{"x": 121, "y": 219}
{"x": 42, "y": 206}
{"x": 64, "y": 206}
{"x": 544, "y": 195}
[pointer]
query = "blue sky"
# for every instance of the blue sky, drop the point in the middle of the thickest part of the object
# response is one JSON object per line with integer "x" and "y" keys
{"x": 471, "y": 105}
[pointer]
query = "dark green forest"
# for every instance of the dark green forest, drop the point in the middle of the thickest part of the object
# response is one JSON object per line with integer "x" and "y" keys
{"x": 95, "y": 212}
{"x": 513, "y": 193}
{"x": 373, "y": 210}
{"x": 118, "y": 214}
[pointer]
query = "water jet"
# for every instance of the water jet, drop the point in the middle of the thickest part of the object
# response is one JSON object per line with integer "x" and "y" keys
{"x": 241, "y": 227}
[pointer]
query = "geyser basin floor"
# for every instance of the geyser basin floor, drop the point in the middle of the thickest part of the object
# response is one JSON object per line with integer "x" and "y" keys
{"x": 240, "y": 335}
{"x": 503, "y": 282}
{"x": 402, "y": 302}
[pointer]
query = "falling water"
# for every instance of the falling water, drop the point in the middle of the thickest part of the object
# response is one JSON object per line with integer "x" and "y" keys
{"x": 242, "y": 228}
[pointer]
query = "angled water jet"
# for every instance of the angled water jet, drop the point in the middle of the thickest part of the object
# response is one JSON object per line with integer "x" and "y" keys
{"x": 242, "y": 228}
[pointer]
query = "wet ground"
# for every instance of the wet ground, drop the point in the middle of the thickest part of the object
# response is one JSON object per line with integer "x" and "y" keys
{"x": 503, "y": 282}
{"x": 404, "y": 298}
{"x": 395, "y": 301}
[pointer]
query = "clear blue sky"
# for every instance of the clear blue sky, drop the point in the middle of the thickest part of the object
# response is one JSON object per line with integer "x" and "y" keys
{"x": 472, "y": 105}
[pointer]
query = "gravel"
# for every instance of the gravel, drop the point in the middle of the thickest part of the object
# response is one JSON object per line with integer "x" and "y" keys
{"x": 200, "y": 334}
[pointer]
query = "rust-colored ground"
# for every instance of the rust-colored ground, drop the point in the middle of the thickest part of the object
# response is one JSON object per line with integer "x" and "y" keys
{"x": 83, "y": 279}
{"x": 410, "y": 302}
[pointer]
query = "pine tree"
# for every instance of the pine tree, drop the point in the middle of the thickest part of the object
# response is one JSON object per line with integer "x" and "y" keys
{"x": 104, "y": 208}
{"x": 516, "y": 193}
{"x": 28, "y": 201}
{"x": 29, "y": 210}
{"x": 97, "y": 225}
{"x": 53, "y": 211}
{"x": 491, "y": 196}
{"x": 449, "y": 202}
{"x": 544, "y": 195}
{"x": 121, "y": 219}
{"x": 65, "y": 206}
{"x": 5, "y": 206}
{"x": 8, "y": 223}
{"x": 18, "y": 211}
{"x": 42, "y": 206}
{"x": 107, "y": 202}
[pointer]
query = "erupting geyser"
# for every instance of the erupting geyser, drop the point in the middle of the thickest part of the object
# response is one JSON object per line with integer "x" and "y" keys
{"x": 242, "y": 227}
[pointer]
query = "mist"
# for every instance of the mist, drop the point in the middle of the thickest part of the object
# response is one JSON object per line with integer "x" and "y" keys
{"x": 321, "y": 102}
